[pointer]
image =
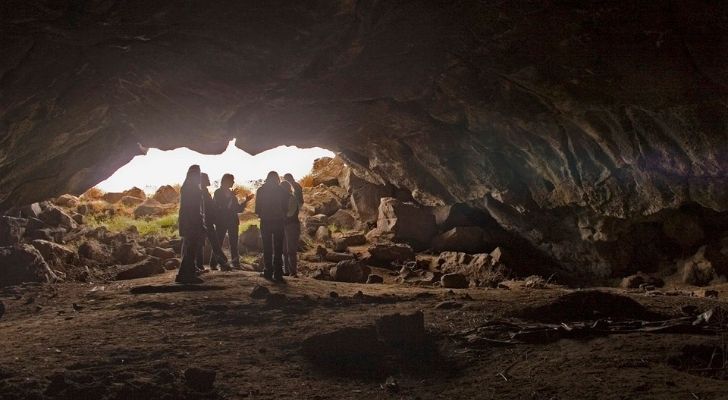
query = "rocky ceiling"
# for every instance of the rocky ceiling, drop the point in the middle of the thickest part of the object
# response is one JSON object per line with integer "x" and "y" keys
{"x": 605, "y": 109}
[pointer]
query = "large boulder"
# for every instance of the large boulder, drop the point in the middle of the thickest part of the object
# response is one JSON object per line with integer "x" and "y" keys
{"x": 128, "y": 253}
{"x": 251, "y": 239}
{"x": 56, "y": 217}
{"x": 484, "y": 269}
{"x": 23, "y": 263}
{"x": 351, "y": 271}
{"x": 162, "y": 253}
{"x": 326, "y": 171}
{"x": 54, "y": 253}
{"x": 93, "y": 250}
{"x": 148, "y": 267}
{"x": 152, "y": 208}
{"x": 697, "y": 270}
{"x": 166, "y": 195}
{"x": 131, "y": 201}
{"x": 112, "y": 197}
{"x": 364, "y": 196}
{"x": 386, "y": 254}
{"x": 343, "y": 241}
{"x": 406, "y": 222}
{"x": 11, "y": 230}
{"x": 67, "y": 200}
{"x": 313, "y": 222}
{"x": 323, "y": 199}
{"x": 640, "y": 279}
{"x": 467, "y": 239}
{"x": 454, "y": 281}
{"x": 344, "y": 220}
{"x": 135, "y": 192}
{"x": 31, "y": 210}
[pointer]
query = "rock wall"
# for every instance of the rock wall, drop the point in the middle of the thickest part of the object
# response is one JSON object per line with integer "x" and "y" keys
{"x": 554, "y": 116}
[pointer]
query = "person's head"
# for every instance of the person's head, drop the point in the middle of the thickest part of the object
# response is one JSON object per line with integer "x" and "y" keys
{"x": 193, "y": 174}
{"x": 204, "y": 180}
{"x": 273, "y": 178}
{"x": 287, "y": 186}
{"x": 227, "y": 181}
{"x": 289, "y": 177}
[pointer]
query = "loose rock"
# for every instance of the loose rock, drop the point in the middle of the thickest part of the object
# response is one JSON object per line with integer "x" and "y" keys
{"x": 351, "y": 271}
{"x": 143, "y": 269}
{"x": 23, "y": 263}
{"x": 454, "y": 281}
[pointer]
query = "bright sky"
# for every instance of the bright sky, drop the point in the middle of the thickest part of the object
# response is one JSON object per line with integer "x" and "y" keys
{"x": 159, "y": 167}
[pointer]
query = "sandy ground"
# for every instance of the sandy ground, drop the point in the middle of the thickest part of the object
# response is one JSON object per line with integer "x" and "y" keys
{"x": 101, "y": 341}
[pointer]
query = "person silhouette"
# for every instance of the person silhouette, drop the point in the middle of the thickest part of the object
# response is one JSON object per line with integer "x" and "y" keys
{"x": 191, "y": 225}
{"x": 228, "y": 222}
{"x": 211, "y": 217}
{"x": 270, "y": 205}
{"x": 291, "y": 231}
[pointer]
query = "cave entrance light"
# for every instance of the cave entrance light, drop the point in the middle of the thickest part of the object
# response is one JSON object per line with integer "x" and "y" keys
{"x": 168, "y": 167}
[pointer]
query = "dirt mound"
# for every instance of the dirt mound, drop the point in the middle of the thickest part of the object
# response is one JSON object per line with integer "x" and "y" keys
{"x": 589, "y": 305}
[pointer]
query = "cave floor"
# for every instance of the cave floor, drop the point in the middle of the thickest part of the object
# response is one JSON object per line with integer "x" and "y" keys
{"x": 110, "y": 343}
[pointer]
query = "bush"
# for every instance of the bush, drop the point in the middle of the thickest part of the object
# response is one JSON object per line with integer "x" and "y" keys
{"x": 162, "y": 226}
{"x": 93, "y": 194}
{"x": 306, "y": 181}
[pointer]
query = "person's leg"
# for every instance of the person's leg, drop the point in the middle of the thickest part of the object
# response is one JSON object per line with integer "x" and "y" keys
{"x": 293, "y": 235}
{"x": 267, "y": 236}
{"x": 221, "y": 236}
{"x": 200, "y": 255}
{"x": 218, "y": 257}
{"x": 234, "y": 254}
{"x": 278, "y": 251}
{"x": 186, "y": 273}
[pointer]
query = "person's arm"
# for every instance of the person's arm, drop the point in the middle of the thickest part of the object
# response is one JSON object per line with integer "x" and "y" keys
{"x": 241, "y": 206}
{"x": 257, "y": 203}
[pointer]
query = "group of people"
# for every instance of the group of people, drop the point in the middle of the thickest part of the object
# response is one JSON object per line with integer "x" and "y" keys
{"x": 203, "y": 217}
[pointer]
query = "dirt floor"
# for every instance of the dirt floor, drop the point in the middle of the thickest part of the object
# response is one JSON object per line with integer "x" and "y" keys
{"x": 93, "y": 341}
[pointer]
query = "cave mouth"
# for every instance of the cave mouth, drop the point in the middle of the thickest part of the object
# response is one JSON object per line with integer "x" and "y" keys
{"x": 155, "y": 167}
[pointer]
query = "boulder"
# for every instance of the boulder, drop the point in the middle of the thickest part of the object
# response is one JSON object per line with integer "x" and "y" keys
{"x": 342, "y": 242}
{"x": 162, "y": 254}
{"x": 333, "y": 256}
{"x": 112, "y": 197}
{"x": 134, "y": 192}
{"x": 460, "y": 214}
{"x": 94, "y": 251}
{"x": 351, "y": 271}
{"x": 697, "y": 270}
{"x": 468, "y": 239}
{"x": 31, "y": 211}
{"x": 11, "y": 230}
{"x": 171, "y": 264}
{"x": 313, "y": 222}
{"x": 251, "y": 239}
{"x": 406, "y": 222}
{"x": 23, "y": 263}
{"x": 259, "y": 292}
{"x": 454, "y": 281}
{"x": 484, "y": 269}
{"x": 365, "y": 201}
{"x": 385, "y": 255}
{"x": 148, "y": 267}
{"x": 56, "y": 217}
{"x": 131, "y": 201}
{"x": 152, "y": 208}
{"x": 55, "y": 253}
{"x": 323, "y": 234}
{"x": 374, "y": 279}
{"x": 78, "y": 218}
{"x": 639, "y": 279}
{"x": 345, "y": 220}
{"x": 128, "y": 253}
{"x": 326, "y": 171}
{"x": 323, "y": 199}
{"x": 166, "y": 195}
{"x": 67, "y": 200}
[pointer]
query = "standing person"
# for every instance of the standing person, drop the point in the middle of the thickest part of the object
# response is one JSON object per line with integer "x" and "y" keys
{"x": 218, "y": 257}
{"x": 270, "y": 205}
{"x": 297, "y": 189}
{"x": 228, "y": 222}
{"x": 291, "y": 230}
{"x": 191, "y": 225}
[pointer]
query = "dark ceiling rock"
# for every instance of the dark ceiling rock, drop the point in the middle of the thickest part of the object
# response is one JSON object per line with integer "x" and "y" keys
{"x": 611, "y": 109}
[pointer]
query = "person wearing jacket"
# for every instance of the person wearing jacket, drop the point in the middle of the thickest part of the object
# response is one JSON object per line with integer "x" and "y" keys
{"x": 297, "y": 189}
{"x": 218, "y": 256}
{"x": 291, "y": 231}
{"x": 191, "y": 225}
{"x": 228, "y": 222}
{"x": 270, "y": 205}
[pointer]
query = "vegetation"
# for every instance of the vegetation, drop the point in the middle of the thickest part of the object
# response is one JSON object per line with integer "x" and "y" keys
{"x": 306, "y": 181}
{"x": 163, "y": 226}
{"x": 247, "y": 224}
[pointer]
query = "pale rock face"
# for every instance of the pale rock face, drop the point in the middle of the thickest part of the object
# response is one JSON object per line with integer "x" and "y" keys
{"x": 505, "y": 109}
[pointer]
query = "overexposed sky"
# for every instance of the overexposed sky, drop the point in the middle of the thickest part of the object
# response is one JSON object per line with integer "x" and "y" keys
{"x": 159, "y": 167}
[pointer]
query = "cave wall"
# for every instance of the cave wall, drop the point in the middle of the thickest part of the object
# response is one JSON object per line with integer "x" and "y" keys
{"x": 553, "y": 115}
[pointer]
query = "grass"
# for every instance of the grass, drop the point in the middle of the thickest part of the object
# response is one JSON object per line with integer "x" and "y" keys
{"x": 247, "y": 224}
{"x": 162, "y": 226}
{"x": 306, "y": 181}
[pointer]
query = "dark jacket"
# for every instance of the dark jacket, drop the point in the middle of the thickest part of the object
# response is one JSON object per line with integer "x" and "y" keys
{"x": 191, "y": 211}
{"x": 227, "y": 207}
{"x": 209, "y": 208}
{"x": 271, "y": 202}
